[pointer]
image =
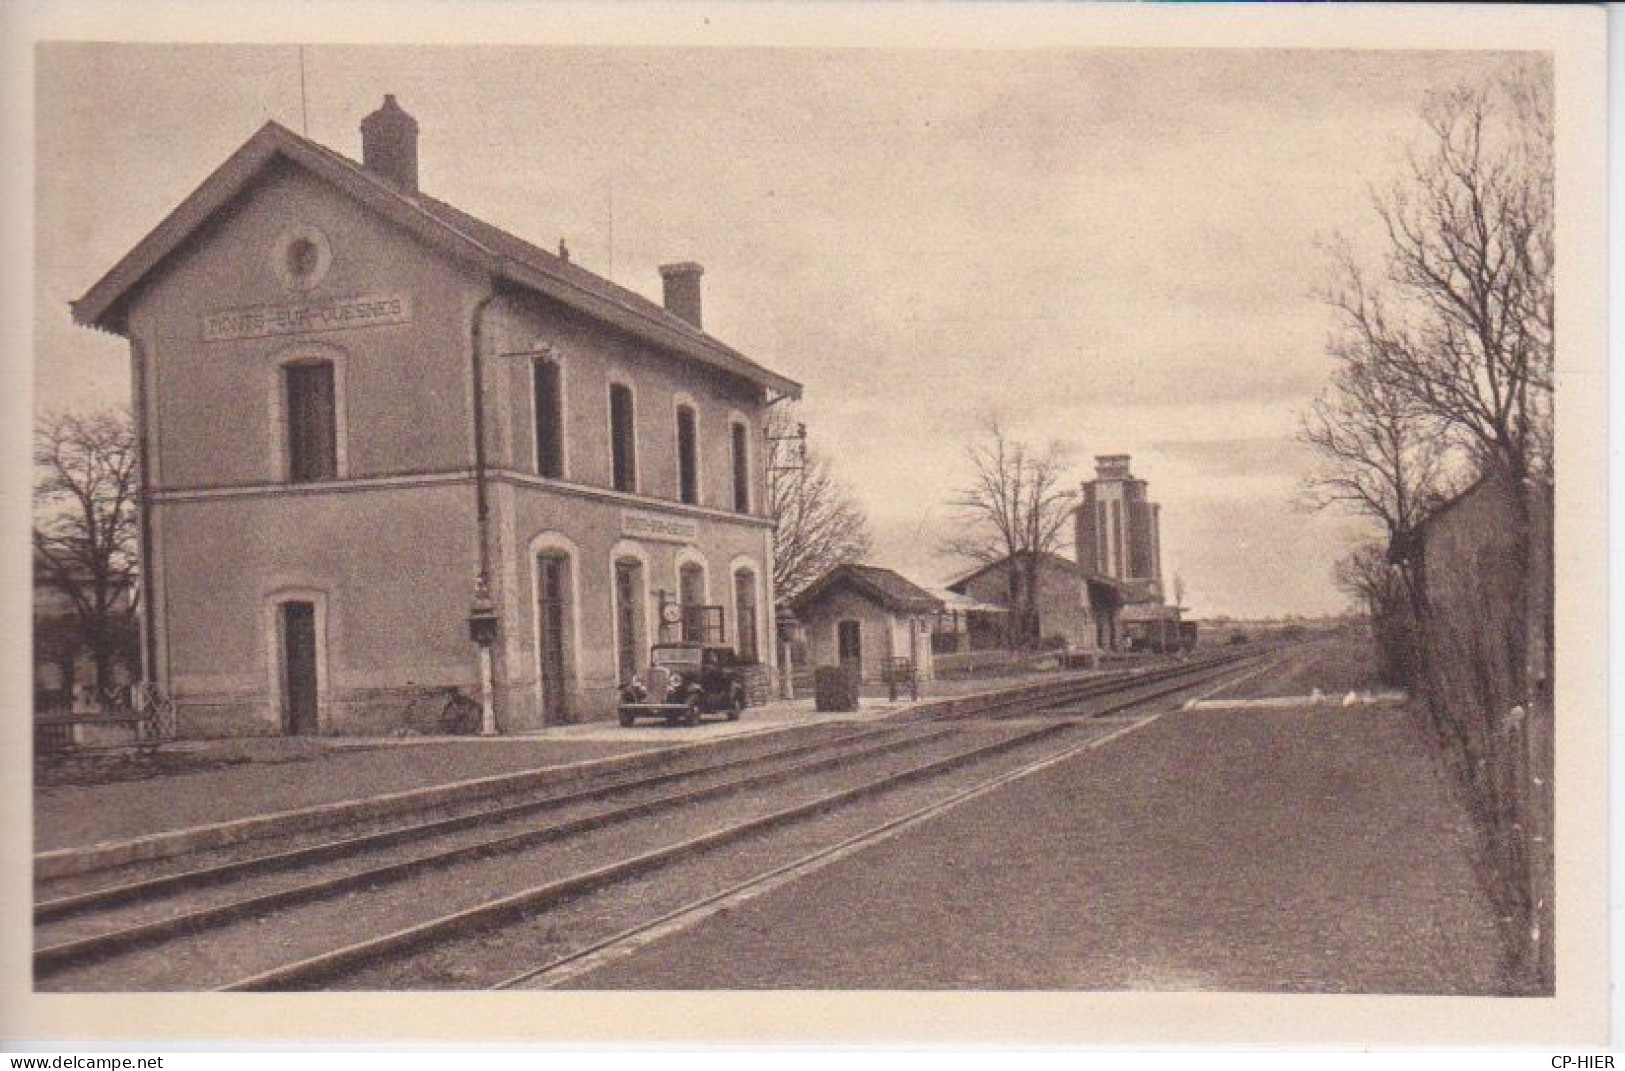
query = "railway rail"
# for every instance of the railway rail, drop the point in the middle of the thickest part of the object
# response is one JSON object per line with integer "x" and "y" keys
{"x": 269, "y": 920}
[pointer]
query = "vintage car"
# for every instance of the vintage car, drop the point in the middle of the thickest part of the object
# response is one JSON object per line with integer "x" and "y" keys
{"x": 683, "y": 681}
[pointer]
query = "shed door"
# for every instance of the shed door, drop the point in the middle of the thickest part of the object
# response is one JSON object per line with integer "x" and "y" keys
{"x": 849, "y": 642}
{"x": 299, "y": 666}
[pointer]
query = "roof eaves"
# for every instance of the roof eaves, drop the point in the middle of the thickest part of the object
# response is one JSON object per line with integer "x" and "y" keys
{"x": 701, "y": 348}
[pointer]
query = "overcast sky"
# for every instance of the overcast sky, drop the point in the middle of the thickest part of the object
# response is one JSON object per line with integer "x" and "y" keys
{"x": 1112, "y": 248}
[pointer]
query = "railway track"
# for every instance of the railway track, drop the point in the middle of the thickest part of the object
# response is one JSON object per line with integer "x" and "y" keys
{"x": 372, "y": 908}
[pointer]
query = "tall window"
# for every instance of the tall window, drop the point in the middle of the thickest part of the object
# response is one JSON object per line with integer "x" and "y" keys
{"x": 1101, "y": 552}
{"x": 741, "y": 451}
{"x": 623, "y": 438}
{"x": 312, "y": 429}
{"x": 688, "y": 469}
{"x": 1117, "y": 540}
{"x": 549, "y": 406}
{"x": 745, "y": 615}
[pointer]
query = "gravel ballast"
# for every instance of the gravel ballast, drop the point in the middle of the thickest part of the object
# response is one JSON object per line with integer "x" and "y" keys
{"x": 1305, "y": 850}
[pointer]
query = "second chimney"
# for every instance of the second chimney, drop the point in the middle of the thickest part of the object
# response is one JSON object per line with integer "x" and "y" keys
{"x": 683, "y": 290}
{"x": 389, "y": 144}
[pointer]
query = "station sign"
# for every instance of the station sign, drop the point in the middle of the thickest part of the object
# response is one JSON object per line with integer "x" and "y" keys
{"x": 639, "y": 525}
{"x": 306, "y": 317}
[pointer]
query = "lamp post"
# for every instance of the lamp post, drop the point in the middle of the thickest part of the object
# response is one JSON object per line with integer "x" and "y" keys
{"x": 785, "y": 623}
{"x": 482, "y": 629}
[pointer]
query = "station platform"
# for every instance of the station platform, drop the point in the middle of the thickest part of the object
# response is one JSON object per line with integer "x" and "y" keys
{"x": 192, "y": 784}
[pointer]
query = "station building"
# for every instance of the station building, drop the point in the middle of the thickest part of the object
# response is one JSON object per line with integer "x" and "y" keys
{"x": 1075, "y": 610}
{"x": 368, "y": 419}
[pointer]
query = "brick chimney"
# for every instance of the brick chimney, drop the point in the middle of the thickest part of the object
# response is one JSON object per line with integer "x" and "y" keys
{"x": 389, "y": 144}
{"x": 683, "y": 290}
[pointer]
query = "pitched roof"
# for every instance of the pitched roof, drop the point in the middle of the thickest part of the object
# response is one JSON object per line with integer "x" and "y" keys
{"x": 1048, "y": 557}
{"x": 1110, "y": 590}
{"x": 964, "y": 604}
{"x": 507, "y": 258}
{"x": 884, "y": 586}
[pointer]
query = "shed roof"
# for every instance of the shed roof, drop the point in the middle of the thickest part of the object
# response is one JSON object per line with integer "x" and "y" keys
{"x": 1047, "y": 557}
{"x": 954, "y": 601}
{"x": 508, "y": 258}
{"x": 884, "y": 586}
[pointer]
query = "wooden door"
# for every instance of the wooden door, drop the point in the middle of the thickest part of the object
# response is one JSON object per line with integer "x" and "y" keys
{"x": 551, "y": 616}
{"x": 299, "y": 667}
{"x": 628, "y": 610}
{"x": 849, "y": 643}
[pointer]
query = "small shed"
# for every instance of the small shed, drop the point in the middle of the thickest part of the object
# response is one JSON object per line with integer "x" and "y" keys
{"x": 863, "y": 615}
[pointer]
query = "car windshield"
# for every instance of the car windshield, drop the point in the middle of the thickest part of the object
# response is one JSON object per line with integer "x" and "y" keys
{"x": 676, "y": 656}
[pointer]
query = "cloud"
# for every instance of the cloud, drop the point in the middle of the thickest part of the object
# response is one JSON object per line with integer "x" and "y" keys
{"x": 1240, "y": 457}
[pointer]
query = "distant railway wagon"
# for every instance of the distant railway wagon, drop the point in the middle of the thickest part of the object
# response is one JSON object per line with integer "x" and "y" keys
{"x": 1161, "y": 636}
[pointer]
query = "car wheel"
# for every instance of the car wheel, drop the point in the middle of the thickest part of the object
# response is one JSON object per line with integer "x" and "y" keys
{"x": 627, "y": 719}
{"x": 736, "y": 704}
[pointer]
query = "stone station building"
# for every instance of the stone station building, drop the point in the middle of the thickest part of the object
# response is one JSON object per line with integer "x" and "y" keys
{"x": 366, "y": 417}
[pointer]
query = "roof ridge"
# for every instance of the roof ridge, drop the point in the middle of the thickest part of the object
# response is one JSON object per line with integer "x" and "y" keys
{"x": 512, "y": 257}
{"x": 421, "y": 202}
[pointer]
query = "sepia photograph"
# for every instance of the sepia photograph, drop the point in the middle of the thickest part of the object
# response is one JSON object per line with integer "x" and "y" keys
{"x": 1081, "y": 516}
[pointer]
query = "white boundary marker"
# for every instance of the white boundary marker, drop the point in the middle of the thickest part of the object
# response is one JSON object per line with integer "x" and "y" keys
{"x": 1315, "y": 699}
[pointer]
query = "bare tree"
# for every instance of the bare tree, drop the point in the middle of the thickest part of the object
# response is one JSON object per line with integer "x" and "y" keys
{"x": 817, "y": 524}
{"x": 1384, "y": 594}
{"x": 1365, "y": 576}
{"x": 1015, "y": 508}
{"x": 1462, "y": 317}
{"x": 1381, "y": 453}
{"x": 85, "y": 534}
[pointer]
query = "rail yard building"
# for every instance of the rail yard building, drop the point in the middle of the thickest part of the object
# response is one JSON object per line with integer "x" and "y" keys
{"x": 865, "y": 616}
{"x": 1119, "y": 536}
{"x": 375, "y": 428}
{"x": 1073, "y": 611}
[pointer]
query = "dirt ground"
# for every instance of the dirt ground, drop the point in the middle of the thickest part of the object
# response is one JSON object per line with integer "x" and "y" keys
{"x": 1307, "y": 850}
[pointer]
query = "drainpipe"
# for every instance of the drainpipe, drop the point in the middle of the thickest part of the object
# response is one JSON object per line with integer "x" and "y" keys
{"x": 482, "y": 615}
{"x": 149, "y": 637}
